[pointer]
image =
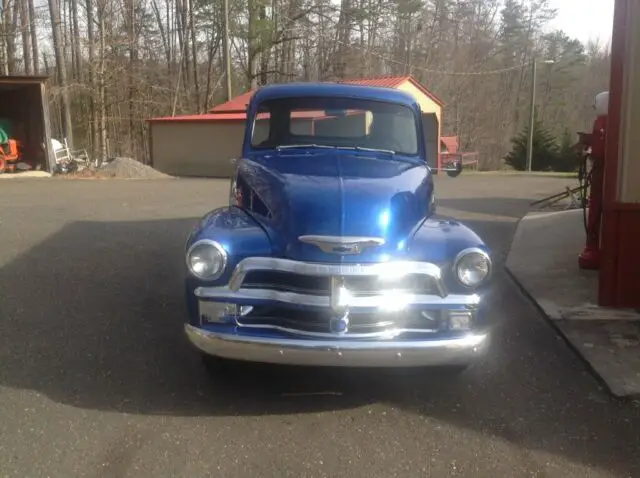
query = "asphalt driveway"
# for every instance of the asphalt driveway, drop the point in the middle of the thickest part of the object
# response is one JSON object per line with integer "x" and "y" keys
{"x": 97, "y": 379}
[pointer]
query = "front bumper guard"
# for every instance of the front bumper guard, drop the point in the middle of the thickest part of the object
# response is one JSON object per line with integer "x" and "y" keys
{"x": 342, "y": 353}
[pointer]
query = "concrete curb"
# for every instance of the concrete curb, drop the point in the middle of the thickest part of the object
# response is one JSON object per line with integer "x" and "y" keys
{"x": 553, "y": 316}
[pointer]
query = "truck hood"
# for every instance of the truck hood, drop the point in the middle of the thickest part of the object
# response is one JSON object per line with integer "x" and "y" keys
{"x": 338, "y": 193}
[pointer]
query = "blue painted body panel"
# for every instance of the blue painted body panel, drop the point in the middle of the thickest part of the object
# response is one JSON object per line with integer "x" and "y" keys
{"x": 336, "y": 193}
{"x": 302, "y": 191}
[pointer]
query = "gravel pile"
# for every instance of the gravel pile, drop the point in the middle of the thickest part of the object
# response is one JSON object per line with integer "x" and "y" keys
{"x": 128, "y": 168}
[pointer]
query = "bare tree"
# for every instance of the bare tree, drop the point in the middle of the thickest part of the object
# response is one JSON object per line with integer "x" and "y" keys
{"x": 54, "y": 10}
{"x": 116, "y": 63}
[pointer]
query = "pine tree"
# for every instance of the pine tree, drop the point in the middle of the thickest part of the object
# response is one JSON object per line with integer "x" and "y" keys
{"x": 567, "y": 160}
{"x": 545, "y": 149}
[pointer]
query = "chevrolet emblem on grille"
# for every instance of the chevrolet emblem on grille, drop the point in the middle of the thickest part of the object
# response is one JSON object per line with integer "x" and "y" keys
{"x": 343, "y": 245}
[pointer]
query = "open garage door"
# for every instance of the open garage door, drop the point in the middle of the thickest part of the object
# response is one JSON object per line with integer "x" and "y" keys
{"x": 24, "y": 118}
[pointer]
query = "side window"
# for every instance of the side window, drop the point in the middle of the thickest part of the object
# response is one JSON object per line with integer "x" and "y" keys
{"x": 261, "y": 127}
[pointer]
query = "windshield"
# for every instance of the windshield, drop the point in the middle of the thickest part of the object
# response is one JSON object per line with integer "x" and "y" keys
{"x": 335, "y": 122}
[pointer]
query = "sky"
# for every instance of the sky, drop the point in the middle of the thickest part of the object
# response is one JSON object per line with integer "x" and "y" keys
{"x": 585, "y": 19}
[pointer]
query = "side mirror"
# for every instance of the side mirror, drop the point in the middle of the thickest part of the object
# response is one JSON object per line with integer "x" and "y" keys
{"x": 454, "y": 169}
{"x": 452, "y": 165}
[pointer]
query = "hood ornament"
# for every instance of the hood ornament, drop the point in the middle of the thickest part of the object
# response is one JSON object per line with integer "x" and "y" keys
{"x": 342, "y": 245}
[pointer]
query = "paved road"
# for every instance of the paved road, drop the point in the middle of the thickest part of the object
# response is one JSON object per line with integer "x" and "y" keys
{"x": 97, "y": 380}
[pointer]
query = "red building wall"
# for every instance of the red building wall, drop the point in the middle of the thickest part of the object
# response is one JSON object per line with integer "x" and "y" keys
{"x": 619, "y": 284}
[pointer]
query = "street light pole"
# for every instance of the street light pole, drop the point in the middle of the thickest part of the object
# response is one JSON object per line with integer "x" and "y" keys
{"x": 532, "y": 114}
{"x": 532, "y": 108}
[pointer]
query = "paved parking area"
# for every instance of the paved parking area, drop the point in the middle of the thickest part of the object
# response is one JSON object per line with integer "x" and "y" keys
{"x": 97, "y": 379}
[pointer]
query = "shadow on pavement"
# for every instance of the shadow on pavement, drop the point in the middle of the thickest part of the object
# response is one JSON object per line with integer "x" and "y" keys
{"x": 92, "y": 318}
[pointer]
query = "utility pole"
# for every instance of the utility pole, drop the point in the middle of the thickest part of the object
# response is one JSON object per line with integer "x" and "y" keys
{"x": 532, "y": 113}
{"x": 226, "y": 52}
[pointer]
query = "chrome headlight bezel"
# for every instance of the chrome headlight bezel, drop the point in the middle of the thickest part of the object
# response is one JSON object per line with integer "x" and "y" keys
{"x": 472, "y": 251}
{"x": 218, "y": 248}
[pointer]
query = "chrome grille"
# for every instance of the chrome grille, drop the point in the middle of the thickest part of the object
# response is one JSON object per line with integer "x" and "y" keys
{"x": 429, "y": 273}
{"x": 318, "y": 322}
{"x": 287, "y": 282}
{"x": 321, "y": 285}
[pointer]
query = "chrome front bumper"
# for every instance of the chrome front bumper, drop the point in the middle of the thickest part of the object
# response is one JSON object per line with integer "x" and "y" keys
{"x": 340, "y": 353}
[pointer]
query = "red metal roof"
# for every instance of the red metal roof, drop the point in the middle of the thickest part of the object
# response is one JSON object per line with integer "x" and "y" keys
{"x": 393, "y": 82}
{"x": 380, "y": 82}
{"x": 202, "y": 117}
{"x": 234, "y": 109}
{"x": 236, "y": 105}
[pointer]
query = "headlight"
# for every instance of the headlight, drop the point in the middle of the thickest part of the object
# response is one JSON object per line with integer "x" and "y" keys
{"x": 472, "y": 267}
{"x": 206, "y": 259}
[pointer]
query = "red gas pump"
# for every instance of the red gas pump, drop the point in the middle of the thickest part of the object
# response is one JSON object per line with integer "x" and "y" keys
{"x": 590, "y": 256}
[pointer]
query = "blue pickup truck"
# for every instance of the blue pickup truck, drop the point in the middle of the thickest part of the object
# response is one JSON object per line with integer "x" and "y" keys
{"x": 329, "y": 252}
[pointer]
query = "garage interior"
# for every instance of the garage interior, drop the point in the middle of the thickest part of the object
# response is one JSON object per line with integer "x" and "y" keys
{"x": 24, "y": 120}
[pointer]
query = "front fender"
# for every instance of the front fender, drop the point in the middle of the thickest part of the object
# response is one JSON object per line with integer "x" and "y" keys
{"x": 238, "y": 233}
{"x": 439, "y": 241}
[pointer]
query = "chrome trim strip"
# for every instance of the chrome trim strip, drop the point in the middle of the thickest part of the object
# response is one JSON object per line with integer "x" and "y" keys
{"x": 394, "y": 268}
{"x": 336, "y": 353}
{"x": 375, "y": 301}
{"x": 384, "y": 334}
{"x": 342, "y": 245}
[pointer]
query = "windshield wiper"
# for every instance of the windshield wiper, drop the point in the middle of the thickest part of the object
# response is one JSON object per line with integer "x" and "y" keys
{"x": 372, "y": 150}
{"x": 291, "y": 146}
{"x": 375, "y": 150}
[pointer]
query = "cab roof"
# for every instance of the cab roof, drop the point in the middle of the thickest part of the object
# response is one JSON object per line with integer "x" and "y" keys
{"x": 296, "y": 90}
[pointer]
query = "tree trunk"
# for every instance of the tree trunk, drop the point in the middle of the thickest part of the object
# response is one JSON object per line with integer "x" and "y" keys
{"x": 92, "y": 82}
{"x": 34, "y": 39}
{"x": 252, "y": 47}
{"x": 192, "y": 29}
{"x": 102, "y": 98}
{"x": 163, "y": 34}
{"x": 25, "y": 22}
{"x": 76, "y": 42}
{"x": 265, "y": 49}
{"x": 133, "y": 61}
{"x": 67, "y": 126}
{"x": 183, "y": 42}
{"x": 9, "y": 30}
{"x": 214, "y": 45}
